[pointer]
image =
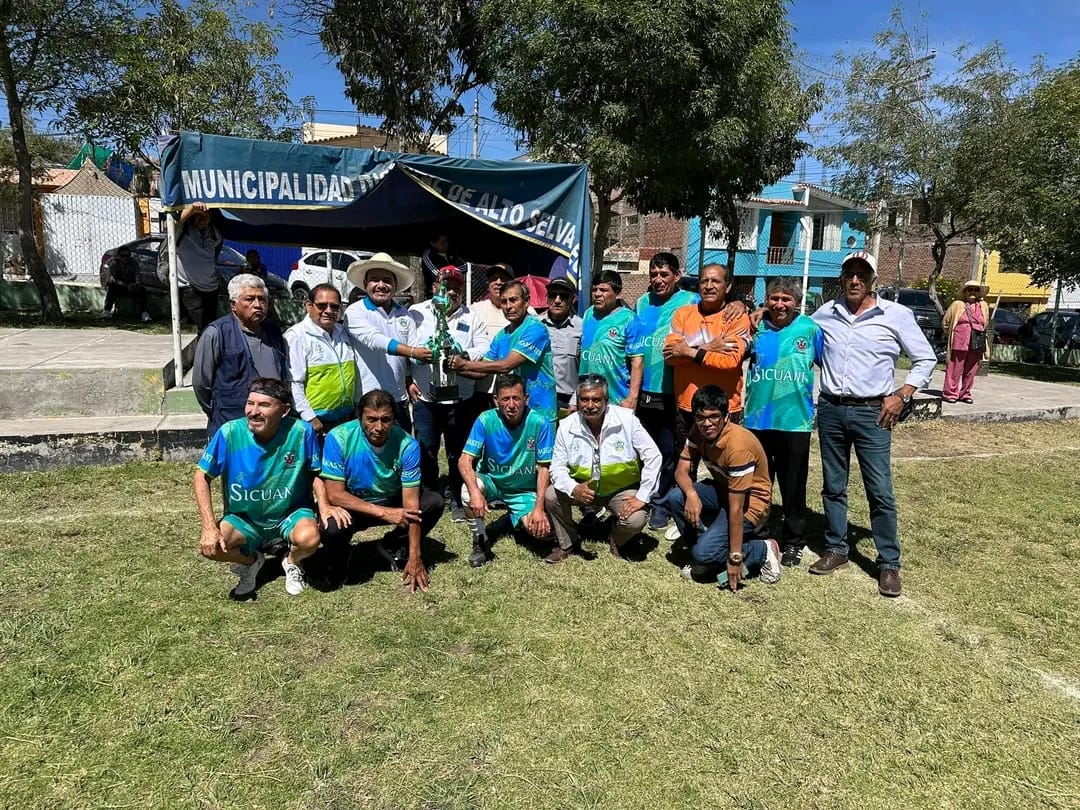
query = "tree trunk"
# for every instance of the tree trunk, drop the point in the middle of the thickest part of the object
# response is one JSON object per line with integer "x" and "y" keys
{"x": 601, "y": 225}
{"x": 50, "y": 304}
{"x": 937, "y": 250}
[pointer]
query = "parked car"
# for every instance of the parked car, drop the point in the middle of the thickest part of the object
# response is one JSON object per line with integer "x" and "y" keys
{"x": 1035, "y": 334}
{"x": 1006, "y": 324}
{"x": 144, "y": 252}
{"x": 926, "y": 314}
{"x": 312, "y": 268}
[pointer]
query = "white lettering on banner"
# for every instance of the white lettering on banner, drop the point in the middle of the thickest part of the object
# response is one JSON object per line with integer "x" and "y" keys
{"x": 779, "y": 375}
{"x": 238, "y": 493}
{"x": 234, "y": 185}
{"x": 250, "y": 187}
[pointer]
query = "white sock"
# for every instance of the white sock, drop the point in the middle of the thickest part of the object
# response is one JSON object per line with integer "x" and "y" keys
{"x": 479, "y": 530}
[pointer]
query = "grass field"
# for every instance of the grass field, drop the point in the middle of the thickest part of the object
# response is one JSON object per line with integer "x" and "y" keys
{"x": 130, "y": 681}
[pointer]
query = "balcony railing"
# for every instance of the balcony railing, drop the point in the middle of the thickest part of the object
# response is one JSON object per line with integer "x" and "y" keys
{"x": 780, "y": 255}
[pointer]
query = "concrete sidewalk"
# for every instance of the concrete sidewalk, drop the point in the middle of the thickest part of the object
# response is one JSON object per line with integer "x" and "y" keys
{"x": 1004, "y": 398}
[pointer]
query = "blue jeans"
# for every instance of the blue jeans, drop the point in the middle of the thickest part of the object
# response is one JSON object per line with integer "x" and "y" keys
{"x": 841, "y": 427}
{"x": 710, "y": 547}
{"x": 659, "y": 422}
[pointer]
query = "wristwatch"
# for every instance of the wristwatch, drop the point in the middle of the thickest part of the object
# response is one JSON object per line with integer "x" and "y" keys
{"x": 735, "y": 558}
{"x": 906, "y": 400}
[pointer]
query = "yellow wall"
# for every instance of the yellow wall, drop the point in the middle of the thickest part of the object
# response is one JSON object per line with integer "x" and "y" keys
{"x": 1012, "y": 287}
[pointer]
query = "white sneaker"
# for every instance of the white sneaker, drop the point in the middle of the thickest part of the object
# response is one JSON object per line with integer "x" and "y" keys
{"x": 771, "y": 568}
{"x": 248, "y": 574}
{"x": 146, "y": 317}
{"x": 673, "y": 533}
{"x": 294, "y": 577}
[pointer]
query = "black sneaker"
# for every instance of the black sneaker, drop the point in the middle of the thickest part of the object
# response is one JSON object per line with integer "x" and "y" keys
{"x": 479, "y": 555}
{"x": 792, "y": 556}
{"x": 393, "y": 552}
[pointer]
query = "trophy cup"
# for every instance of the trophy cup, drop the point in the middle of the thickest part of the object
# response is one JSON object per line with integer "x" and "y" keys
{"x": 443, "y": 349}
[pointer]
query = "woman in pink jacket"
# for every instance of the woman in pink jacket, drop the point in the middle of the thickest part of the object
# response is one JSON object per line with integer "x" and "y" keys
{"x": 965, "y": 324}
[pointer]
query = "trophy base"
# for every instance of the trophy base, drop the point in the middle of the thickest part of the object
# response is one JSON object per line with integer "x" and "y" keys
{"x": 447, "y": 394}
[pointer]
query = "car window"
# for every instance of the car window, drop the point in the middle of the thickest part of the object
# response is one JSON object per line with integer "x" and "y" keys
{"x": 316, "y": 259}
{"x": 230, "y": 257}
{"x": 1007, "y": 316}
{"x": 915, "y": 298}
{"x": 342, "y": 260}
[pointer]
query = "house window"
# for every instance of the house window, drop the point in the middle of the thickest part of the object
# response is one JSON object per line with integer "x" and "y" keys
{"x": 826, "y": 234}
{"x": 717, "y": 238}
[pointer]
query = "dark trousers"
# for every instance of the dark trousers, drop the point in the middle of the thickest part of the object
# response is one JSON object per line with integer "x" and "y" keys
{"x": 136, "y": 292}
{"x": 657, "y": 415}
{"x": 200, "y": 306}
{"x": 788, "y": 452}
{"x": 431, "y": 509}
{"x": 434, "y": 423}
{"x": 402, "y": 415}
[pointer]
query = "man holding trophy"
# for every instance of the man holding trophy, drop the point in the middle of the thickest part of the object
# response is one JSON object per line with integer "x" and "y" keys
{"x": 440, "y": 397}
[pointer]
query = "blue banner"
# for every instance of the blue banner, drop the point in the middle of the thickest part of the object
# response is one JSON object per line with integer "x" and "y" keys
{"x": 276, "y": 192}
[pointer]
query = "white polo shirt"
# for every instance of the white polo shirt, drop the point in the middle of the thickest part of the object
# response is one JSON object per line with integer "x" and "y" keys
{"x": 376, "y": 333}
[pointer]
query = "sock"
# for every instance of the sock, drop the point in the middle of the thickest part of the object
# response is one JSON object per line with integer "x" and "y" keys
{"x": 479, "y": 530}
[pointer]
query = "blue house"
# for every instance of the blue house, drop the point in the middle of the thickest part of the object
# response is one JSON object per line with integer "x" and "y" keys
{"x": 773, "y": 238}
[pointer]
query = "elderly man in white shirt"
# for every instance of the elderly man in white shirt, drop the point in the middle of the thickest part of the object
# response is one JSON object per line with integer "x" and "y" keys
{"x": 858, "y": 406}
{"x": 445, "y": 421}
{"x": 603, "y": 457}
{"x": 383, "y": 333}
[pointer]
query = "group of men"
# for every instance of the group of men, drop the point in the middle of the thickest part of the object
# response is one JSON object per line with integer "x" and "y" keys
{"x": 610, "y": 414}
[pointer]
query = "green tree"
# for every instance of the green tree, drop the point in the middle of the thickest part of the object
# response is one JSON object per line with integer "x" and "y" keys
{"x": 51, "y": 52}
{"x": 408, "y": 61}
{"x": 682, "y": 106}
{"x": 905, "y": 134}
{"x": 199, "y": 66}
{"x": 1031, "y": 203}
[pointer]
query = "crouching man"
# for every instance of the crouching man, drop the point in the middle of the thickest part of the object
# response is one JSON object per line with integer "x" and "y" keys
{"x": 268, "y": 467}
{"x": 603, "y": 458}
{"x": 372, "y": 471}
{"x": 506, "y": 460}
{"x": 724, "y": 519}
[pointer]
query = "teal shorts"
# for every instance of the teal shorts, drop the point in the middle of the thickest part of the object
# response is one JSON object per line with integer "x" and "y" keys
{"x": 259, "y": 537}
{"x": 519, "y": 504}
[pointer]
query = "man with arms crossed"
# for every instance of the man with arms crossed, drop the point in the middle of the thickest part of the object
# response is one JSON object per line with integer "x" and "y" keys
{"x": 268, "y": 466}
{"x": 602, "y": 457}
{"x": 858, "y": 406}
{"x": 506, "y": 457}
{"x": 372, "y": 469}
{"x": 724, "y": 519}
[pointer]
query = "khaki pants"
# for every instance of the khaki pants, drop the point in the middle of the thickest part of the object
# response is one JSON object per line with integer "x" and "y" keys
{"x": 560, "y": 508}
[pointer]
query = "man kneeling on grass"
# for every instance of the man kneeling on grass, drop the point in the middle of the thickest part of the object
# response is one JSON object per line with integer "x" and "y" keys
{"x": 724, "y": 519}
{"x": 512, "y": 444}
{"x": 268, "y": 467}
{"x": 372, "y": 470}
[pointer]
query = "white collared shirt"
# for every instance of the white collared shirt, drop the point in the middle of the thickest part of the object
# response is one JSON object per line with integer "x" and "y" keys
{"x": 467, "y": 327}
{"x": 860, "y": 353}
{"x": 370, "y": 325}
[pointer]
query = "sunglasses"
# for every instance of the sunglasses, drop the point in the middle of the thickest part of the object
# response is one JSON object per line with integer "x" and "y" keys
{"x": 591, "y": 379}
{"x": 322, "y": 306}
{"x": 564, "y": 296}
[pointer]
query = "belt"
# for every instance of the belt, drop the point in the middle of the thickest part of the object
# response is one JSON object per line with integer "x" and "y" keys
{"x": 857, "y": 401}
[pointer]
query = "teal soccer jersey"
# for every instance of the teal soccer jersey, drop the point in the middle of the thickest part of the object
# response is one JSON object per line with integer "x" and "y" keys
{"x": 508, "y": 459}
{"x": 780, "y": 381}
{"x": 607, "y": 345}
{"x": 532, "y": 342}
{"x": 655, "y": 321}
{"x": 373, "y": 474}
{"x": 264, "y": 483}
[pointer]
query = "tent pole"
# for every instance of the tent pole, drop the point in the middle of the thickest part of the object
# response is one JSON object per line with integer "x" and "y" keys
{"x": 174, "y": 302}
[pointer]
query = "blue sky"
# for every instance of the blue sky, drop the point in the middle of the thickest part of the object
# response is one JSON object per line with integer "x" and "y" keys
{"x": 821, "y": 29}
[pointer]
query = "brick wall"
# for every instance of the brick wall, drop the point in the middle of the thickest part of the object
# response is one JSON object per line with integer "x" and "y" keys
{"x": 919, "y": 262}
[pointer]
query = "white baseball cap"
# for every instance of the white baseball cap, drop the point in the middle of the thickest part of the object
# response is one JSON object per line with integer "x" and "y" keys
{"x": 861, "y": 256}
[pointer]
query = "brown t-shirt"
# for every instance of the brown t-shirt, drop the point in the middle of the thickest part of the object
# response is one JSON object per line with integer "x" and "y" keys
{"x": 737, "y": 463}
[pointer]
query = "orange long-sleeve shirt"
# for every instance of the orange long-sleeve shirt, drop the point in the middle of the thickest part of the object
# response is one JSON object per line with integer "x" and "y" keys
{"x": 689, "y": 323}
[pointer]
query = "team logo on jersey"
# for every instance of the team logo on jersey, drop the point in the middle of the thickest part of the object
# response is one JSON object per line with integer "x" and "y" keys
{"x": 620, "y": 445}
{"x": 800, "y": 344}
{"x": 613, "y": 332}
{"x": 530, "y": 443}
{"x": 290, "y": 459}
{"x": 403, "y": 324}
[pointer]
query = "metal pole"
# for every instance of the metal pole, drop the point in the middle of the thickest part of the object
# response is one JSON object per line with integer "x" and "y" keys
{"x": 174, "y": 301}
{"x": 808, "y": 230}
{"x": 476, "y": 126}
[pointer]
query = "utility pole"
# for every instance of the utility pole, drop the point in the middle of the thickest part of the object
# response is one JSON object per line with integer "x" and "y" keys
{"x": 476, "y": 126}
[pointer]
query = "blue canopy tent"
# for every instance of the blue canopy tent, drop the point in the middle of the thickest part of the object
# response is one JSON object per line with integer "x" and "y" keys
{"x": 527, "y": 214}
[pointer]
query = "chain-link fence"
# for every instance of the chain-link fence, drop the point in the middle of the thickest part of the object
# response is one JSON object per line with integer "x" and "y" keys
{"x": 78, "y": 229}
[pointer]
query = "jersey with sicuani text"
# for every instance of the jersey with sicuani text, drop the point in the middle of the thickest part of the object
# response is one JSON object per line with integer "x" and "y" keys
{"x": 780, "y": 380}
{"x": 373, "y": 474}
{"x": 509, "y": 458}
{"x": 531, "y": 341}
{"x": 607, "y": 344}
{"x": 264, "y": 482}
{"x": 655, "y": 318}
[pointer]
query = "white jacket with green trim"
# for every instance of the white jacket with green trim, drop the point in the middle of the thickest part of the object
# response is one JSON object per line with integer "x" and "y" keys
{"x": 323, "y": 375}
{"x": 628, "y": 457}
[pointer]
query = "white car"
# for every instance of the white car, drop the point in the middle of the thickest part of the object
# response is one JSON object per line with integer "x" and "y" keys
{"x": 322, "y": 265}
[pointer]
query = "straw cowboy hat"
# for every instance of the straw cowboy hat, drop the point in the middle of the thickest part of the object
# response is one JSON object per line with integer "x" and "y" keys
{"x": 357, "y": 271}
{"x": 982, "y": 288}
